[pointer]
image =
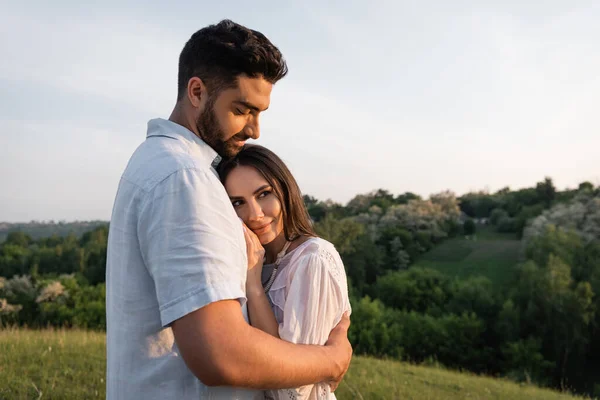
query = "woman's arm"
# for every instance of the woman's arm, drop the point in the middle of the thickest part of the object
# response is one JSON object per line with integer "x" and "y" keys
{"x": 259, "y": 310}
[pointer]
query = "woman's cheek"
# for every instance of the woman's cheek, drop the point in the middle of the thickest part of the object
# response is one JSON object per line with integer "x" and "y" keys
{"x": 240, "y": 213}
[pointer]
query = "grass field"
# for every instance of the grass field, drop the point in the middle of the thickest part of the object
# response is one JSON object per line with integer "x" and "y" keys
{"x": 492, "y": 255}
{"x": 70, "y": 365}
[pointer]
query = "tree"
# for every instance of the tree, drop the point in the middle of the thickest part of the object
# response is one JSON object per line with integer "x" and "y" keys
{"x": 586, "y": 187}
{"x": 546, "y": 191}
{"x": 469, "y": 227}
{"x": 18, "y": 238}
{"x": 417, "y": 289}
{"x": 343, "y": 233}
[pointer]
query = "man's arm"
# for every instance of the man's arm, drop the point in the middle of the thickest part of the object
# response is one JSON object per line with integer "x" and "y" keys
{"x": 221, "y": 349}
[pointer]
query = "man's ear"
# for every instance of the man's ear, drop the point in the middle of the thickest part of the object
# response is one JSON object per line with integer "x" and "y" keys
{"x": 196, "y": 92}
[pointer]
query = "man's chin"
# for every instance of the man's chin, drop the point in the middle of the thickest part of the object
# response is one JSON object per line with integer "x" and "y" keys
{"x": 230, "y": 150}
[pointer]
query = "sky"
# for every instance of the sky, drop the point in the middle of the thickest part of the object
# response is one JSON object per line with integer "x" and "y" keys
{"x": 419, "y": 96}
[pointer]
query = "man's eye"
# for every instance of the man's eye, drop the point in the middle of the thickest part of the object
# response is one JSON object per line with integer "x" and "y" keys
{"x": 241, "y": 112}
{"x": 236, "y": 203}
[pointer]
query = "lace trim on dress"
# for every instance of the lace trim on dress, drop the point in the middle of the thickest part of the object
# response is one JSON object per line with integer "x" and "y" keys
{"x": 335, "y": 268}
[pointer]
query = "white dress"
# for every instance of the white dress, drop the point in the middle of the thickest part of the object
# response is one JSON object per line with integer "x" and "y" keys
{"x": 309, "y": 297}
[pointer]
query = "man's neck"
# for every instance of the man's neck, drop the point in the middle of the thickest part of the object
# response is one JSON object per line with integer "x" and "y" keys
{"x": 179, "y": 117}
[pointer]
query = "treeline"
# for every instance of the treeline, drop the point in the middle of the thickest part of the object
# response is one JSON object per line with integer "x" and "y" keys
{"x": 542, "y": 328}
{"x": 509, "y": 211}
{"x": 42, "y": 229}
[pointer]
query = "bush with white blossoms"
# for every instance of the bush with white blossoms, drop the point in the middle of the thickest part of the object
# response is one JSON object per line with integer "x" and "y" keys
{"x": 51, "y": 292}
{"x": 19, "y": 286}
{"x": 420, "y": 216}
{"x": 581, "y": 215}
{"x": 6, "y": 309}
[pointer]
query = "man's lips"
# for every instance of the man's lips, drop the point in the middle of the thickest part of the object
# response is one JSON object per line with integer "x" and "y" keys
{"x": 239, "y": 140}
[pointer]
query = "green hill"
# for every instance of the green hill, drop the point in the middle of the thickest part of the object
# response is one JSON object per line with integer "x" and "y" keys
{"x": 71, "y": 364}
{"x": 489, "y": 254}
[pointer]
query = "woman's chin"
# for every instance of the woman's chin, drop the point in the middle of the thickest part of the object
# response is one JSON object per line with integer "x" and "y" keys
{"x": 266, "y": 238}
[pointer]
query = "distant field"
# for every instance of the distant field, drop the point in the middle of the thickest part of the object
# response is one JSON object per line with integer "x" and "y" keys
{"x": 70, "y": 365}
{"x": 492, "y": 255}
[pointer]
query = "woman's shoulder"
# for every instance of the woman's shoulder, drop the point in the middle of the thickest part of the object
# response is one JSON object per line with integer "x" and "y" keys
{"x": 316, "y": 246}
{"x": 317, "y": 252}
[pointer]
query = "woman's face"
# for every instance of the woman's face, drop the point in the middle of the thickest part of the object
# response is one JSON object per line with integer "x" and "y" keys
{"x": 255, "y": 202}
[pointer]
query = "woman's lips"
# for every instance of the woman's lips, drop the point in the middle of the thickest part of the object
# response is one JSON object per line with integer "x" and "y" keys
{"x": 261, "y": 229}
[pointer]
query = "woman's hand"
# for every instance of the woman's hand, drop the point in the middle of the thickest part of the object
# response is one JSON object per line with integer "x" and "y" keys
{"x": 256, "y": 254}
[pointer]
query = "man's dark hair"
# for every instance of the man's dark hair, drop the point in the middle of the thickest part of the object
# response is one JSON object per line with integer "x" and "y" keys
{"x": 219, "y": 53}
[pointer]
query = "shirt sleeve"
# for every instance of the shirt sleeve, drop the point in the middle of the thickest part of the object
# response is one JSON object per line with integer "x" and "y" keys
{"x": 187, "y": 234}
{"x": 316, "y": 300}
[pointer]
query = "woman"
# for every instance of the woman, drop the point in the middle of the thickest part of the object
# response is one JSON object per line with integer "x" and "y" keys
{"x": 296, "y": 286}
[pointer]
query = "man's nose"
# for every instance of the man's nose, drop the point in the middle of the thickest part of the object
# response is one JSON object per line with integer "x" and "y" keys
{"x": 253, "y": 128}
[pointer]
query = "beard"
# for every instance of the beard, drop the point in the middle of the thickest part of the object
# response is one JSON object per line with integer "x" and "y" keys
{"x": 210, "y": 131}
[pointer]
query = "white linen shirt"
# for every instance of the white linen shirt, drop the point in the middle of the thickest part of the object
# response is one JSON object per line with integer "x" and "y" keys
{"x": 175, "y": 245}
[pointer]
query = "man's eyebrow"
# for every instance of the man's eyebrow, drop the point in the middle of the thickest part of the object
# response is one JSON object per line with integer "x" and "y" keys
{"x": 250, "y": 106}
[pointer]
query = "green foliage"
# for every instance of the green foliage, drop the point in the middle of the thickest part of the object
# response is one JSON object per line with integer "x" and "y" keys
{"x": 546, "y": 191}
{"x": 586, "y": 187}
{"x": 497, "y": 215}
{"x": 418, "y": 289}
{"x": 469, "y": 227}
{"x": 343, "y": 233}
{"x": 364, "y": 263}
{"x": 525, "y": 362}
{"x": 555, "y": 241}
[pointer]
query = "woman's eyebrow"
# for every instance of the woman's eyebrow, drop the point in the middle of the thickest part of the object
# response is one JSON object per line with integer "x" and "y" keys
{"x": 260, "y": 189}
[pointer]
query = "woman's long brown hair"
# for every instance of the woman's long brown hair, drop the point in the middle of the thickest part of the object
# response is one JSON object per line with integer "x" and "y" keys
{"x": 296, "y": 220}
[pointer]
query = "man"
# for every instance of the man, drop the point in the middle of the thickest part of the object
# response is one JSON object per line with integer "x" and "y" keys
{"x": 176, "y": 265}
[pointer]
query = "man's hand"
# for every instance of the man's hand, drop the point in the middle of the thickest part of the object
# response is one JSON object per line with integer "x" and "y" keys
{"x": 341, "y": 349}
{"x": 221, "y": 349}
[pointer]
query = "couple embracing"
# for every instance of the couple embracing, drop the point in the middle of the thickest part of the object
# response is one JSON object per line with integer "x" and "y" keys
{"x": 217, "y": 286}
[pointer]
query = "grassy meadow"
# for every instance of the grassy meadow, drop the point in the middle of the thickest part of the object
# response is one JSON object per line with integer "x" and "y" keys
{"x": 62, "y": 364}
{"x": 492, "y": 255}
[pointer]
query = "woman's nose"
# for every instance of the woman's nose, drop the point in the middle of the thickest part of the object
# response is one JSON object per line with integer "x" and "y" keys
{"x": 255, "y": 211}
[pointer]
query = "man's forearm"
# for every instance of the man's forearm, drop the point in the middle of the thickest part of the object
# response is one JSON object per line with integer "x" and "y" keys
{"x": 265, "y": 362}
{"x": 221, "y": 349}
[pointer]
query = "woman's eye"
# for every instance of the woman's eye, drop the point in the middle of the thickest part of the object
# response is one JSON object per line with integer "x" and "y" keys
{"x": 264, "y": 194}
{"x": 241, "y": 112}
{"x": 236, "y": 203}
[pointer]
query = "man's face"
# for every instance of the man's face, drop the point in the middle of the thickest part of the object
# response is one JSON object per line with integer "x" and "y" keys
{"x": 231, "y": 117}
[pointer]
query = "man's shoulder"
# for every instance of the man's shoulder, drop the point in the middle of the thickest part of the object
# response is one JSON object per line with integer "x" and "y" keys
{"x": 159, "y": 158}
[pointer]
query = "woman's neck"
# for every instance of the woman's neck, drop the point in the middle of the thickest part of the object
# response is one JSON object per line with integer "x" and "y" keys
{"x": 274, "y": 247}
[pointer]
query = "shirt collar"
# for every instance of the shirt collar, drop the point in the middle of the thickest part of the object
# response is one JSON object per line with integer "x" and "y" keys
{"x": 170, "y": 129}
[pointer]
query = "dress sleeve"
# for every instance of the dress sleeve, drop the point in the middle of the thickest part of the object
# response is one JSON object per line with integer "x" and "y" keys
{"x": 316, "y": 300}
